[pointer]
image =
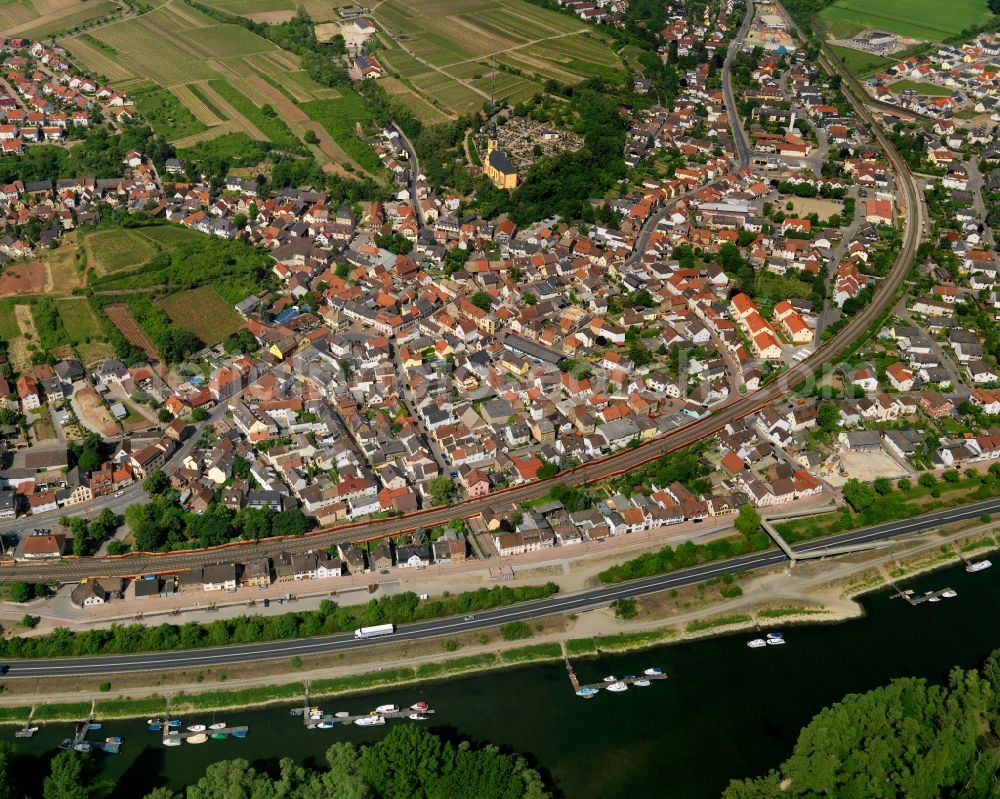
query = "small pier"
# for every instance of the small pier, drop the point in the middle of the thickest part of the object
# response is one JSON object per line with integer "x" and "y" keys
{"x": 28, "y": 729}
{"x": 913, "y": 598}
{"x": 79, "y": 742}
{"x": 589, "y": 689}
{"x": 178, "y": 734}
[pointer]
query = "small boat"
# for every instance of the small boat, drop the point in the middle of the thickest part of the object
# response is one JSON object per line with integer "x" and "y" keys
{"x": 653, "y": 671}
{"x": 932, "y": 598}
{"x": 642, "y": 683}
{"x": 111, "y": 749}
{"x": 949, "y": 593}
{"x": 114, "y": 739}
{"x": 219, "y": 736}
{"x": 343, "y": 714}
{"x": 628, "y": 677}
{"x": 617, "y": 687}
{"x": 65, "y": 743}
{"x": 83, "y": 746}
{"x": 200, "y": 738}
{"x": 297, "y": 711}
{"x": 775, "y": 636}
{"x": 756, "y": 643}
{"x": 197, "y": 728}
{"x": 239, "y": 733}
{"x": 94, "y": 727}
{"x": 172, "y": 741}
{"x": 587, "y": 693}
{"x": 419, "y": 716}
{"x": 611, "y": 678}
{"x": 154, "y": 727}
{"x": 325, "y": 725}
{"x": 370, "y": 721}
{"x": 219, "y": 725}
{"x": 420, "y": 707}
{"x": 175, "y": 724}
{"x": 978, "y": 566}
{"x": 387, "y": 709}
{"x": 25, "y": 732}
{"x": 154, "y": 721}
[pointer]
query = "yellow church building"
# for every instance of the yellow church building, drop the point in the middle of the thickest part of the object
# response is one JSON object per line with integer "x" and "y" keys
{"x": 499, "y": 167}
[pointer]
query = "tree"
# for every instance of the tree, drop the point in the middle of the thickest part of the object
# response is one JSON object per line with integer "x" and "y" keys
{"x": 882, "y": 486}
{"x": 903, "y": 484}
{"x": 72, "y": 776}
{"x": 156, "y": 482}
{"x": 199, "y": 415}
{"x": 482, "y": 299}
{"x": 859, "y": 495}
{"x": 625, "y": 609}
{"x": 310, "y": 137}
{"x": 748, "y": 520}
{"x": 828, "y": 417}
{"x": 927, "y": 480}
{"x": 441, "y": 490}
{"x": 164, "y": 415}
{"x": 21, "y": 591}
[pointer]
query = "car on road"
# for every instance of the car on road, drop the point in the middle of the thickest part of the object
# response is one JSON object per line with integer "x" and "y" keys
{"x": 470, "y": 618}
{"x": 4, "y": 668}
{"x": 119, "y": 493}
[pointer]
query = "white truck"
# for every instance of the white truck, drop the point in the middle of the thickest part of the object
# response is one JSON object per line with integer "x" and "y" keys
{"x": 376, "y": 631}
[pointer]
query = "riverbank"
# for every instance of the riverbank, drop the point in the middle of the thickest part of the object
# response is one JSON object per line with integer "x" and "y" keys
{"x": 814, "y": 594}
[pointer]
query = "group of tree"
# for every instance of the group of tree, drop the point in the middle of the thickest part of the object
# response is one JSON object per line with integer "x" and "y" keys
{"x": 409, "y": 763}
{"x": 684, "y": 467}
{"x": 686, "y": 555}
{"x": 88, "y": 536}
{"x": 910, "y": 739}
{"x": 327, "y": 620}
{"x": 162, "y": 525}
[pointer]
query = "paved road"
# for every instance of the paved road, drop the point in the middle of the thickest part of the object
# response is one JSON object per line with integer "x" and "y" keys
{"x": 739, "y": 135}
{"x": 601, "y": 469}
{"x": 596, "y": 597}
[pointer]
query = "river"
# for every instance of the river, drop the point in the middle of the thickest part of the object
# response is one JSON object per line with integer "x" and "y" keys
{"x": 727, "y": 711}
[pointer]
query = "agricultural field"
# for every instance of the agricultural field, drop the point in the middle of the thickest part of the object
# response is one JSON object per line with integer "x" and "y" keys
{"x": 338, "y": 118}
{"x": 83, "y": 328}
{"x": 859, "y": 63}
{"x": 920, "y": 19}
{"x": 167, "y": 115}
{"x": 926, "y": 89}
{"x": 272, "y": 11}
{"x": 460, "y": 38}
{"x": 203, "y": 312}
{"x": 36, "y": 19}
{"x": 168, "y": 236}
{"x": 111, "y": 251}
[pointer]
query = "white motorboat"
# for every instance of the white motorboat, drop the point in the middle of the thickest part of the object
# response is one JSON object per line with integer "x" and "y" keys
{"x": 325, "y": 725}
{"x": 933, "y": 599}
{"x": 588, "y": 693}
{"x": 419, "y": 716}
{"x": 387, "y": 709}
{"x": 978, "y": 566}
{"x": 617, "y": 687}
{"x": 949, "y": 593}
{"x": 174, "y": 741}
{"x": 420, "y": 707}
{"x": 756, "y": 643}
{"x": 611, "y": 678}
{"x": 197, "y": 728}
{"x": 775, "y": 639}
{"x": 370, "y": 721}
{"x": 200, "y": 738}
{"x": 642, "y": 682}
{"x": 653, "y": 671}
{"x": 219, "y": 725}
{"x": 342, "y": 714}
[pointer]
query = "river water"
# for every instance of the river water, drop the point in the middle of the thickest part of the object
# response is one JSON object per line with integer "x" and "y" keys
{"x": 727, "y": 711}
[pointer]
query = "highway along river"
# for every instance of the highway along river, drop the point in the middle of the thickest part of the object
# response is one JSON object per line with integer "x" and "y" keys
{"x": 727, "y": 711}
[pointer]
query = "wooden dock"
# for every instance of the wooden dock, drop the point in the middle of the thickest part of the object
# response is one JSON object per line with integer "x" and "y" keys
{"x": 599, "y": 686}
{"x": 183, "y": 735}
{"x": 311, "y": 721}
{"x": 913, "y": 598}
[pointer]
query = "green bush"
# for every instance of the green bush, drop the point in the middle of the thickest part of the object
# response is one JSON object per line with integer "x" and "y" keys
{"x": 515, "y": 631}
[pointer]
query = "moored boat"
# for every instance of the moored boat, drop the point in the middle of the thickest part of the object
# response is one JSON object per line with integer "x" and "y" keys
{"x": 653, "y": 671}
{"x": 978, "y": 566}
{"x": 83, "y": 746}
{"x": 756, "y": 643}
{"x": 387, "y": 709}
{"x": 588, "y": 693}
{"x": 94, "y": 727}
{"x": 342, "y": 714}
{"x": 419, "y": 716}
{"x": 420, "y": 707}
{"x": 172, "y": 741}
{"x": 219, "y": 736}
{"x": 642, "y": 683}
{"x": 196, "y": 728}
{"x": 617, "y": 687}
{"x": 154, "y": 727}
{"x": 611, "y": 678}
{"x": 219, "y": 725}
{"x": 949, "y": 593}
{"x": 114, "y": 739}
{"x": 239, "y": 733}
{"x": 370, "y": 721}
{"x": 200, "y": 738}
{"x": 325, "y": 725}
{"x": 175, "y": 724}
{"x": 775, "y": 639}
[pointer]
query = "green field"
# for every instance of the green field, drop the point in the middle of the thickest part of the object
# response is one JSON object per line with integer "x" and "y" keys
{"x": 920, "y": 19}
{"x": 203, "y": 312}
{"x": 926, "y": 89}
{"x": 165, "y": 113}
{"x": 270, "y": 124}
{"x": 110, "y": 251}
{"x": 859, "y": 63}
{"x": 338, "y": 118}
{"x": 78, "y": 319}
{"x": 167, "y": 236}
